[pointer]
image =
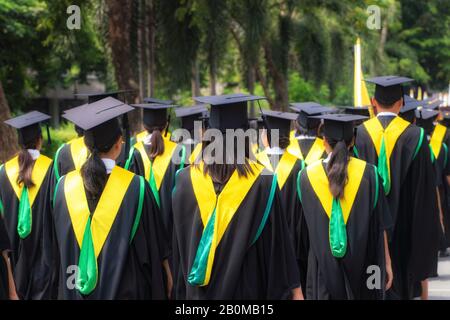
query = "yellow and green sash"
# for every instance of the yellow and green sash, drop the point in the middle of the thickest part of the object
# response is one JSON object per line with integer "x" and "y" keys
{"x": 78, "y": 151}
{"x": 437, "y": 139}
{"x": 91, "y": 232}
{"x": 154, "y": 172}
{"x": 384, "y": 141}
{"x": 216, "y": 213}
{"x": 284, "y": 167}
{"x": 27, "y": 196}
{"x": 337, "y": 210}
{"x": 315, "y": 153}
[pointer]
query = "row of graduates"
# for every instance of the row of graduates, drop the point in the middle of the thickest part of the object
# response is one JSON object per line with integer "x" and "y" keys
{"x": 306, "y": 219}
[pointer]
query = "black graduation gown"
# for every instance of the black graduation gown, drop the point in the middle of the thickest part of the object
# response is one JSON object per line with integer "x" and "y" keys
{"x": 4, "y": 246}
{"x": 331, "y": 278}
{"x": 242, "y": 269}
{"x": 126, "y": 270}
{"x": 136, "y": 165}
{"x": 413, "y": 205}
{"x": 31, "y": 258}
{"x": 443, "y": 162}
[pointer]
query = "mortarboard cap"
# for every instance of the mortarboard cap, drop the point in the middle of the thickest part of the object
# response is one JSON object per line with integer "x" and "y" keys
{"x": 155, "y": 115}
{"x": 445, "y": 116}
{"x": 157, "y": 101}
{"x": 388, "y": 89}
{"x": 307, "y": 112}
{"x": 228, "y": 111}
{"x": 358, "y": 111}
{"x": 339, "y": 126}
{"x": 425, "y": 119}
{"x": 408, "y": 111}
{"x": 189, "y": 115}
{"x": 28, "y": 126}
{"x": 279, "y": 120}
{"x": 94, "y": 97}
{"x": 431, "y": 104}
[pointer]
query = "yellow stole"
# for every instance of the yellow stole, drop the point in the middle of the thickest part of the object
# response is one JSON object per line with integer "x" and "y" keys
{"x": 160, "y": 164}
{"x": 79, "y": 152}
{"x": 390, "y": 134}
{"x": 437, "y": 138}
{"x": 284, "y": 167}
{"x": 141, "y": 136}
{"x": 315, "y": 153}
{"x": 216, "y": 213}
{"x": 320, "y": 184}
{"x": 106, "y": 210}
{"x": 40, "y": 169}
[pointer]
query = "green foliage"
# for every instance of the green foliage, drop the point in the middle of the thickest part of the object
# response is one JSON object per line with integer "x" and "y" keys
{"x": 59, "y": 136}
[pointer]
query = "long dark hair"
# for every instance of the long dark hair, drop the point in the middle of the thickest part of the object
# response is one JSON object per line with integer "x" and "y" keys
{"x": 26, "y": 162}
{"x": 337, "y": 166}
{"x": 156, "y": 142}
{"x": 221, "y": 173}
{"x": 93, "y": 170}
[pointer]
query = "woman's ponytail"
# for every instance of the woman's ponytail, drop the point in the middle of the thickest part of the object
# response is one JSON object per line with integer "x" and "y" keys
{"x": 26, "y": 164}
{"x": 156, "y": 143}
{"x": 337, "y": 168}
{"x": 94, "y": 175}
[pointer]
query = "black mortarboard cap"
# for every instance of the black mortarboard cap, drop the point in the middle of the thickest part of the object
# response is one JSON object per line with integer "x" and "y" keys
{"x": 358, "y": 111}
{"x": 339, "y": 126}
{"x": 28, "y": 126}
{"x": 94, "y": 97}
{"x": 431, "y": 104}
{"x": 157, "y": 101}
{"x": 445, "y": 116}
{"x": 279, "y": 120}
{"x": 388, "y": 89}
{"x": 100, "y": 120}
{"x": 307, "y": 111}
{"x": 155, "y": 115}
{"x": 189, "y": 115}
{"x": 425, "y": 119}
{"x": 228, "y": 111}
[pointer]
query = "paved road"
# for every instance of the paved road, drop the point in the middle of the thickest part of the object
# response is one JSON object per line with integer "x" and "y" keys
{"x": 439, "y": 288}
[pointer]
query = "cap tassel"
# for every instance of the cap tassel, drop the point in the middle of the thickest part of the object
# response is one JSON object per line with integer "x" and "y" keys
{"x": 167, "y": 127}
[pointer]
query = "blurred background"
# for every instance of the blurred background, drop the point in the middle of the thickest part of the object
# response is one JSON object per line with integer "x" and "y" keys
{"x": 286, "y": 50}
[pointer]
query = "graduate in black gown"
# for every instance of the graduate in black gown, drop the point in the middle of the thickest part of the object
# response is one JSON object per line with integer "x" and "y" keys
{"x": 73, "y": 154}
{"x": 193, "y": 125}
{"x": 7, "y": 286}
{"x": 110, "y": 238}
{"x": 345, "y": 210}
{"x": 445, "y": 121}
{"x": 402, "y": 156}
{"x": 231, "y": 239}
{"x": 440, "y": 157}
{"x": 157, "y": 159}
{"x": 25, "y": 183}
{"x": 305, "y": 142}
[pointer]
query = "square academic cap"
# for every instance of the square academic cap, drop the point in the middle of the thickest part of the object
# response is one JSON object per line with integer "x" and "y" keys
{"x": 189, "y": 115}
{"x": 388, "y": 89}
{"x": 407, "y": 112}
{"x": 432, "y": 104}
{"x": 228, "y": 111}
{"x": 94, "y": 97}
{"x": 155, "y": 115}
{"x": 359, "y": 111}
{"x": 425, "y": 119}
{"x": 88, "y": 117}
{"x": 445, "y": 116}
{"x": 339, "y": 126}
{"x": 28, "y": 127}
{"x": 307, "y": 111}
{"x": 157, "y": 101}
{"x": 279, "y": 120}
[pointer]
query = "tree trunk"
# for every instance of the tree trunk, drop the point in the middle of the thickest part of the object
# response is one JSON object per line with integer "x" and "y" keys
{"x": 195, "y": 80}
{"x": 8, "y": 137}
{"x": 151, "y": 32}
{"x": 279, "y": 81}
{"x": 212, "y": 73}
{"x": 141, "y": 47}
{"x": 119, "y": 14}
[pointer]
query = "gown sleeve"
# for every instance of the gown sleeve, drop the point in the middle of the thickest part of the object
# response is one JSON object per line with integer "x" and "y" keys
{"x": 276, "y": 249}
